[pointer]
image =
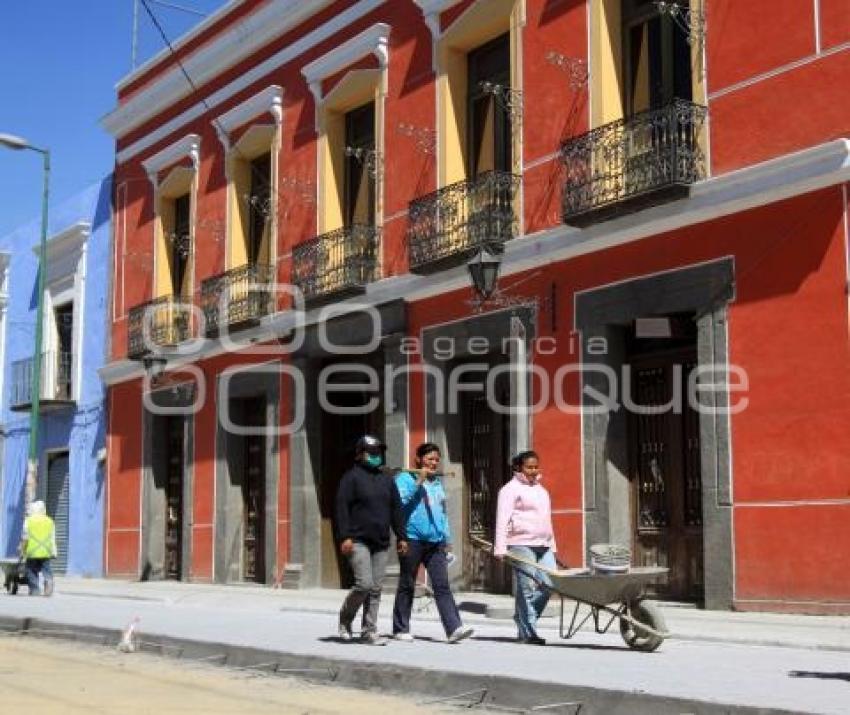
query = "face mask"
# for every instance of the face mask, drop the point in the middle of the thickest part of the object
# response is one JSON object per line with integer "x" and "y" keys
{"x": 374, "y": 460}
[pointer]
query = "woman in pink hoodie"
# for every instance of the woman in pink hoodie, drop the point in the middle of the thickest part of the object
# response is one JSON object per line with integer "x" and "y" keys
{"x": 524, "y": 528}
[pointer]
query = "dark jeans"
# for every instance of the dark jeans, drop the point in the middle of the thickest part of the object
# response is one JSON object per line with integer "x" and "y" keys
{"x": 34, "y": 568}
{"x": 433, "y": 556}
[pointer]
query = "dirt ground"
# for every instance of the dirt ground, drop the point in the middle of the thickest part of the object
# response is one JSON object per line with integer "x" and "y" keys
{"x": 51, "y": 676}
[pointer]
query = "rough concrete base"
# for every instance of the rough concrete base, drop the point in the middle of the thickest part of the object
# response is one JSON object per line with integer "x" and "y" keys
{"x": 483, "y": 691}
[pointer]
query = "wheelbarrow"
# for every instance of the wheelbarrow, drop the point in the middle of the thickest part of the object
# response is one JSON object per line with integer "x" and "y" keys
{"x": 14, "y": 574}
{"x": 604, "y": 598}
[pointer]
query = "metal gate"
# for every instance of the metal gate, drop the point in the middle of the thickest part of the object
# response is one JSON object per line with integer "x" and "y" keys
{"x": 666, "y": 477}
{"x": 254, "y": 494}
{"x": 486, "y": 469}
{"x": 174, "y": 499}
{"x": 58, "y": 505}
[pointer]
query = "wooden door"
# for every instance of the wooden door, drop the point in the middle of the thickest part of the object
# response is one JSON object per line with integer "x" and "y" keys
{"x": 665, "y": 473}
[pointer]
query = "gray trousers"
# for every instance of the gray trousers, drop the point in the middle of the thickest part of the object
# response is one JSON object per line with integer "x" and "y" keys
{"x": 368, "y": 567}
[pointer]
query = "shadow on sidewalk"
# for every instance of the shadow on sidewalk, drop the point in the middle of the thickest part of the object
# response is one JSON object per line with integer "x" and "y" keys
{"x": 820, "y": 675}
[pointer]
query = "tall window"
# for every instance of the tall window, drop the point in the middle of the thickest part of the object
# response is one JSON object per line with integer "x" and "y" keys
{"x": 60, "y": 362}
{"x": 359, "y": 199}
{"x": 489, "y": 66}
{"x": 656, "y": 58}
{"x": 259, "y": 210}
{"x": 179, "y": 245}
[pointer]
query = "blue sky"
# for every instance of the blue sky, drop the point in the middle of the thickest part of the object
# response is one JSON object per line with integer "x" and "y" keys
{"x": 59, "y": 62}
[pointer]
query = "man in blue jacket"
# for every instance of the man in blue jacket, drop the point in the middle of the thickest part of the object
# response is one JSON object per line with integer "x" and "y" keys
{"x": 429, "y": 542}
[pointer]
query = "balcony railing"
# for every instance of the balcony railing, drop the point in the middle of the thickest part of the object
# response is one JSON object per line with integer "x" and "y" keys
{"x": 162, "y": 322}
{"x": 335, "y": 263}
{"x": 451, "y": 223}
{"x": 55, "y": 381}
{"x": 237, "y": 297}
{"x": 623, "y": 166}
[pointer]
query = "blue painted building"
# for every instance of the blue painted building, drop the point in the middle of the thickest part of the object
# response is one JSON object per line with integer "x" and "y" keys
{"x": 72, "y": 429}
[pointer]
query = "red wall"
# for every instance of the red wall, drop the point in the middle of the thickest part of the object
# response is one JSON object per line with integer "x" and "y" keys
{"x": 770, "y": 93}
{"x": 788, "y": 330}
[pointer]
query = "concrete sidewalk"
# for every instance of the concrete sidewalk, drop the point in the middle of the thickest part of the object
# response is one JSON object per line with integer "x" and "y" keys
{"x": 684, "y": 622}
{"x": 718, "y": 663}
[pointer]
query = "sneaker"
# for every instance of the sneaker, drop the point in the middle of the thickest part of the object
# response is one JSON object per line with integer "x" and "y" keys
{"x": 406, "y": 637}
{"x": 345, "y": 631}
{"x": 460, "y": 633}
{"x": 373, "y": 639}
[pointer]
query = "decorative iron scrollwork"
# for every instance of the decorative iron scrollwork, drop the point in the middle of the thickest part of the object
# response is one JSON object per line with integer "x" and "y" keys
{"x": 624, "y": 159}
{"x": 341, "y": 260}
{"x": 574, "y": 67}
{"x": 239, "y": 295}
{"x": 461, "y": 217}
{"x": 161, "y": 322}
{"x": 508, "y": 98}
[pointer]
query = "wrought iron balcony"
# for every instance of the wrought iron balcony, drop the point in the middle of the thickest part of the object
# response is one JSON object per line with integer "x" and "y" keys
{"x": 162, "y": 322}
{"x": 626, "y": 165}
{"x": 237, "y": 297}
{"x": 447, "y": 226}
{"x": 336, "y": 263}
{"x": 55, "y": 387}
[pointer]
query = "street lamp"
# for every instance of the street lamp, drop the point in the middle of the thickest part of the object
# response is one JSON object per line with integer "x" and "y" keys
{"x": 10, "y": 141}
{"x": 483, "y": 268}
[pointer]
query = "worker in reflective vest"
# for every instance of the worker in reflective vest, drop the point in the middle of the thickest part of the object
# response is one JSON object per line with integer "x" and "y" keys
{"x": 38, "y": 546}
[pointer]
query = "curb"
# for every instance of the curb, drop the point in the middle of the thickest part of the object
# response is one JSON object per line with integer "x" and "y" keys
{"x": 484, "y": 691}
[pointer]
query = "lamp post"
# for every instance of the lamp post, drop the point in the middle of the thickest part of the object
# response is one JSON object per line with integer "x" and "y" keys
{"x": 17, "y": 143}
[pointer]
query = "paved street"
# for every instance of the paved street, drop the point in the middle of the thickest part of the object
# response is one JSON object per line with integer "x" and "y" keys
{"x": 785, "y": 677}
{"x": 92, "y": 679}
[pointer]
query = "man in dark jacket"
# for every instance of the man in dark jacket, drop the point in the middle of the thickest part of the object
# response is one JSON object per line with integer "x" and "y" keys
{"x": 367, "y": 506}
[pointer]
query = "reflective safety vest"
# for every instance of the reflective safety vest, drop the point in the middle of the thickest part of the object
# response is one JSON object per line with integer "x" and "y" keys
{"x": 40, "y": 537}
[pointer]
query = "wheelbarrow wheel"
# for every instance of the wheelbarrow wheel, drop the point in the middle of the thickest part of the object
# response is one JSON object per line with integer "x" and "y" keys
{"x": 636, "y": 637}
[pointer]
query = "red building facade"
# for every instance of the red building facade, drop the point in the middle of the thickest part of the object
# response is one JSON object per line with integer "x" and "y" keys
{"x": 664, "y": 188}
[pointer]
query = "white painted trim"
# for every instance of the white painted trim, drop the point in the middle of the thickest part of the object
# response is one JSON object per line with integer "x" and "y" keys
{"x": 796, "y": 64}
{"x": 772, "y": 181}
{"x": 817, "y": 26}
{"x": 190, "y": 146}
{"x": 236, "y": 44}
{"x": 244, "y": 40}
{"x": 178, "y": 44}
{"x": 792, "y": 503}
{"x": 846, "y": 255}
{"x": 435, "y": 7}
{"x": 268, "y": 100}
{"x": 255, "y": 74}
{"x": 374, "y": 41}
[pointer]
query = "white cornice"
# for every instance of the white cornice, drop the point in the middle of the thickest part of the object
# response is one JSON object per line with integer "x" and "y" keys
{"x": 190, "y": 146}
{"x": 236, "y": 44}
{"x": 177, "y": 45}
{"x": 67, "y": 241}
{"x": 767, "y": 183}
{"x": 374, "y": 41}
{"x": 255, "y": 74}
{"x": 269, "y": 100}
